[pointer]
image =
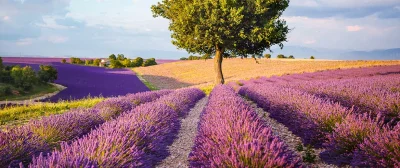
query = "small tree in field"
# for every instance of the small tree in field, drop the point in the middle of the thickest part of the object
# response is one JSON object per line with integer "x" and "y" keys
{"x": 312, "y": 57}
{"x": 291, "y": 57}
{"x": 281, "y": 56}
{"x": 210, "y": 26}
{"x": 63, "y": 61}
{"x": 268, "y": 56}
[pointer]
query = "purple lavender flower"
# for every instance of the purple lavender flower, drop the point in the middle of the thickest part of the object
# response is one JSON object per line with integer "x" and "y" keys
{"x": 231, "y": 135}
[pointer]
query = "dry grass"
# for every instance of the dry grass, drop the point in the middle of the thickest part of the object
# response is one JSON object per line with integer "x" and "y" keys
{"x": 201, "y": 73}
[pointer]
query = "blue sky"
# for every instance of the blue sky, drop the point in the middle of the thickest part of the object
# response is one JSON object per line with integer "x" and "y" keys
{"x": 97, "y": 28}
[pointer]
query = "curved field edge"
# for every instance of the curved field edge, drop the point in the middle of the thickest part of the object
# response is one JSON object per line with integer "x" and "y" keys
{"x": 38, "y": 93}
{"x": 17, "y": 115}
{"x": 200, "y": 73}
{"x": 144, "y": 81}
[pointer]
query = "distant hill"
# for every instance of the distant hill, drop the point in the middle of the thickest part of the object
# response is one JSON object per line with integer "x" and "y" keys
{"x": 321, "y": 53}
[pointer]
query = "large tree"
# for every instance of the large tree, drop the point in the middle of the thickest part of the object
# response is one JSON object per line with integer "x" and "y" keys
{"x": 239, "y": 27}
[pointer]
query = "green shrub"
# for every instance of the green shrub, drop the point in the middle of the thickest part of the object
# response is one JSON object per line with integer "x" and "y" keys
{"x": 126, "y": 63}
{"x": 291, "y": 57}
{"x": 96, "y": 62}
{"x": 281, "y": 56}
{"x": 137, "y": 62}
{"x": 1, "y": 64}
{"x": 5, "y": 90}
{"x": 183, "y": 58}
{"x": 150, "y": 62}
{"x": 112, "y": 57}
{"x": 268, "y": 56}
{"x": 312, "y": 57}
{"x": 74, "y": 60}
{"x": 115, "y": 64}
{"x": 47, "y": 73}
{"x": 121, "y": 57}
{"x": 23, "y": 78}
{"x": 63, "y": 61}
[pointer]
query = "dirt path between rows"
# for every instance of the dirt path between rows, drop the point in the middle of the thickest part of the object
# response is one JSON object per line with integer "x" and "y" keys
{"x": 182, "y": 145}
{"x": 288, "y": 137}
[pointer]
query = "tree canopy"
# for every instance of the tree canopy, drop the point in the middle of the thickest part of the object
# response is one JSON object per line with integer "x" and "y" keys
{"x": 224, "y": 26}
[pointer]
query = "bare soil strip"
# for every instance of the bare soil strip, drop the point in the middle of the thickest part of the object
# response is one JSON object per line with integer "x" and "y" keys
{"x": 182, "y": 145}
{"x": 288, "y": 137}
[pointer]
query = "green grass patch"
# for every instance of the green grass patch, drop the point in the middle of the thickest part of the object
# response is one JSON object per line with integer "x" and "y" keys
{"x": 36, "y": 91}
{"x": 17, "y": 115}
{"x": 145, "y": 82}
{"x": 207, "y": 89}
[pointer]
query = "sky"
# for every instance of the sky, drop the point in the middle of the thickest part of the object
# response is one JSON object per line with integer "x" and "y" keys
{"x": 97, "y": 28}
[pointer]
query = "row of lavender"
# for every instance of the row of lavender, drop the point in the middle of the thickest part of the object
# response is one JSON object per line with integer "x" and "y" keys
{"x": 19, "y": 144}
{"x": 230, "y": 134}
{"x": 358, "y": 138}
{"x": 376, "y": 91}
{"x": 131, "y": 140}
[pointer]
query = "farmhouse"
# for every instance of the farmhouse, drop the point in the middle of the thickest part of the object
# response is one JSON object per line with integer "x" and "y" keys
{"x": 104, "y": 63}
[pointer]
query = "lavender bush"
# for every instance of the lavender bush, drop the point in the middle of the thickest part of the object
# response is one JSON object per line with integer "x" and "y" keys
{"x": 231, "y": 135}
{"x": 128, "y": 141}
{"x": 55, "y": 129}
{"x": 348, "y": 135}
{"x": 381, "y": 149}
{"x": 306, "y": 115}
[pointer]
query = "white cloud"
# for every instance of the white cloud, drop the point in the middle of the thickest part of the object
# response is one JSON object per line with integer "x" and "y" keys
{"x": 354, "y": 28}
{"x": 25, "y": 41}
{"x": 50, "y": 22}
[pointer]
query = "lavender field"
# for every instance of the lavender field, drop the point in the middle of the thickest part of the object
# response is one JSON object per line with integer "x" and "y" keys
{"x": 82, "y": 81}
{"x": 334, "y": 118}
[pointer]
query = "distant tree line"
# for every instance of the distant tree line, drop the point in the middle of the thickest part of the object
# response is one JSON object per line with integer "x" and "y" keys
{"x": 119, "y": 61}
{"x": 24, "y": 78}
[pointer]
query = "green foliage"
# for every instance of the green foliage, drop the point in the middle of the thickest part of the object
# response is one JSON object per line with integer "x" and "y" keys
{"x": 74, "y": 60}
{"x": 5, "y": 90}
{"x": 112, "y": 57}
{"x": 291, "y": 57}
{"x": 204, "y": 26}
{"x": 19, "y": 114}
{"x": 1, "y": 64}
{"x": 312, "y": 57}
{"x": 126, "y": 63}
{"x": 115, "y": 64}
{"x": 309, "y": 155}
{"x": 63, "y": 61}
{"x": 150, "y": 62}
{"x": 191, "y": 57}
{"x": 207, "y": 89}
{"x": 47, "y": 73}
{"x": 121, "y": 57}
{"x": 206, "y": 56}
{"x": 281, "y": 56}
{"x": 268, "y": 56}
{"x": 137, "y": 62}
{"x": 23, "y": 78}
{"x": 183, "y": 58}
{"x": 236, "y": 27}
{"x": 96, "y": 62}
{"x": 299, "y": 147}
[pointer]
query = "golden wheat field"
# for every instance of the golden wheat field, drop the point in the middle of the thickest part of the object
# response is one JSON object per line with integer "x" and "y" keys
{"x": 201, "y": 73}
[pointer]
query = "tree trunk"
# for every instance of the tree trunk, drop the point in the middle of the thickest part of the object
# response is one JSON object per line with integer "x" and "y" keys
{"x": 219, "y": 79}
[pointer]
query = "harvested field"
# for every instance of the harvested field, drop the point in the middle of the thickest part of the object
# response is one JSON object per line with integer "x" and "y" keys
{"x": 199, "y": 72}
